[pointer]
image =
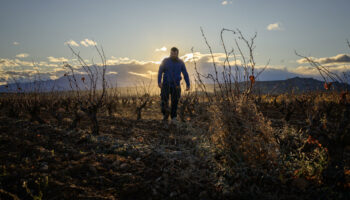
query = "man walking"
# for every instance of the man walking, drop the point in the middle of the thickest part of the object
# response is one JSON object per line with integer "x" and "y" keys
{"x": 171, "y": 69}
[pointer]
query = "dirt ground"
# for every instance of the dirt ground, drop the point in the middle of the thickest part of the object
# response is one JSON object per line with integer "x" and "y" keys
{"x": 130, "y": 159}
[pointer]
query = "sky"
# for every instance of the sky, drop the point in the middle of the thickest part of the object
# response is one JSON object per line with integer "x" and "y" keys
{"x": 140, "y": 32}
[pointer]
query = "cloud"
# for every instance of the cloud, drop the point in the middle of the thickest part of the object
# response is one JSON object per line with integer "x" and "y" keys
{"x": 57, "y": 60}
{"x": 24, "y": 71}
{"x": 275, "y": 27}
{"x": 10, "y": 63}
{"x": 338, "y": 68}
{"x": 338, "y": 64}
{"x": 112, "y": 73}
{"x": 15, "y": 43}
{"x": 126, "y": 60}
{"x": 226, "y": 2}
{"x": 26, "y": 76}
{"x": 161, "y": 49}
{"x": 306, "y": 70}
{"x": 54, "y": 77}
{"x": 88, "y": 42}
{"x": 219, "y": 58}
{"x": 128, "y": 72}
{"x": 71, "y": 43}
{"x": 16, "y": 64}
{"x": 22, "y": 55}
{"x": 126, "y": 69}
{"x": 45, "y": 64}
{"x": 149, "y": 74}
{"x": 340, "y": 58}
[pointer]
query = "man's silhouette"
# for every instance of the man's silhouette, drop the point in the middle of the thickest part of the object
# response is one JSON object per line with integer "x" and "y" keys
{"x": 171, "y": 69}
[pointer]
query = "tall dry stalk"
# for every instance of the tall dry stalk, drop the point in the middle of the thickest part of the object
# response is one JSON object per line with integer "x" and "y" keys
{"x": 239, "y": 131}
{"x": 89, "y": 96}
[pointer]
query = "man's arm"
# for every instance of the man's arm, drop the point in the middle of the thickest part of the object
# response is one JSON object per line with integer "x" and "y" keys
{"x": 160, "y": 73}
{"x": 186, "y": 77}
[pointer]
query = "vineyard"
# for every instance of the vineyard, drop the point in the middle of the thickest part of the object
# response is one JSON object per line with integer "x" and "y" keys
{"x": 93, "y": 142}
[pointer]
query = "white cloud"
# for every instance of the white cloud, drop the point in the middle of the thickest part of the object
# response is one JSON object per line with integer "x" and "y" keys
{"x": 130, "y": 70}
{"x": 148, "y": 74}
{"x": 112, "y": 73}
{"x": 22, "y": 55}
{"x": 226, "y": 2}
{"x": 275, "y": 27}
{"x": 309, "y": 70}
{"x": 161, "y": 49}
{"x": 197, "y": 56}
{"x": 115, "y": 60}
{"x": 340, "y": 58}
{"x": 45, "y": 64}
{"x": 305, "y": 70}
{"x": 15, "y": 43}
{"x": 5, "y": 62}
{"x": 126, "y": 60}
{"x": 71, "y": 43}
{"x": 27, "y": 70}
{"x": 219, "y": 58}
{"x": 335, "y": 64}
{"x": 9, "y": 64}
{"x": 57, "y": 60}
{"x": 54, "y": 77}
{"x": 88, "y": 42}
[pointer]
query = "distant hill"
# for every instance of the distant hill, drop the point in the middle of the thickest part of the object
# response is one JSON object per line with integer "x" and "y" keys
{"x": 63, "y": 84}
{"x": 296, "y": 84}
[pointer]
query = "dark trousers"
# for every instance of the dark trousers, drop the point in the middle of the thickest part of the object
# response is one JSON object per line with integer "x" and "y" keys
{"x": 175, "y": 93}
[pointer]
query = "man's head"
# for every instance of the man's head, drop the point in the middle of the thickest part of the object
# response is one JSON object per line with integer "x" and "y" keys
{"x": 174, "y": 53}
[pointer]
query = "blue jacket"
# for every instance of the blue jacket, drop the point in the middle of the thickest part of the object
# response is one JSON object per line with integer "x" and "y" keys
{"x": 172, "y": 72}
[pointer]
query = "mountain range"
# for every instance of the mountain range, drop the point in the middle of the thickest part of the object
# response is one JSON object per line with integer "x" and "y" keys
{"x": 296, "y": 84}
